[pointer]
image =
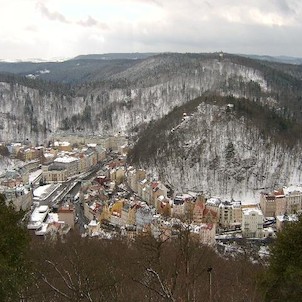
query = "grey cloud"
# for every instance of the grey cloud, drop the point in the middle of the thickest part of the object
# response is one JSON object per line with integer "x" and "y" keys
{"x": 284, "y": 6}
{"x": 88, "y": 22}
{"x": 190, "y": 26}
{"x": 55, "y": 16}
{"x": 211, "y": 35}
{"x": 91, "y": 22}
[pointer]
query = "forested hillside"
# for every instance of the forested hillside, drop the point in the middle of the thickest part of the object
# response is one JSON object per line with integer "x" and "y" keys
{"x": 222, "y": 145}
{"x": 123, "y": 95}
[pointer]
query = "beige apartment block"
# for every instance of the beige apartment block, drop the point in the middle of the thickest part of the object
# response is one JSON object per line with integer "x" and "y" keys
{"x": 71, "y": 164}
{"x": 54, "y": 173}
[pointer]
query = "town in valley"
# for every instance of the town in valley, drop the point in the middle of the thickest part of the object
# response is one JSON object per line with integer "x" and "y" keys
{"x": 85, "y": 185}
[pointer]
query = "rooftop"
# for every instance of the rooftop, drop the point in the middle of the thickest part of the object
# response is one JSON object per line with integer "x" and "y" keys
{"x": 66, "y": 159}
{"x": 56, "y": 144}
{"x": 213, "y": 201}
{"x": 291, "y": 218}
{"x": 45, "y": 191}
{"x": 249, "y": 211}
{"x": 292, "y": 189}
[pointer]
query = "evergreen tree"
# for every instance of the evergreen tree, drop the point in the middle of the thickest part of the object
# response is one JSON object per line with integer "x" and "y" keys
{"x": 13, "y": 246}
{"x": 283, "y": 279}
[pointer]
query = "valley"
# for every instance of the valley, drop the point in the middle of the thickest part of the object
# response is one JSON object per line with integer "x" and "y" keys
{"x": 218, "y": 151}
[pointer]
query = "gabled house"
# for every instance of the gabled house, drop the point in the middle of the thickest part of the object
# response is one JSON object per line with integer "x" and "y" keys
{"x": 202, "y": 214}
{"x": 158, "y": 189}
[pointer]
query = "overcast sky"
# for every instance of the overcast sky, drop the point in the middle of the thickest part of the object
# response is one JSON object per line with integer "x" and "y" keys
{"x": 66, "y": 28}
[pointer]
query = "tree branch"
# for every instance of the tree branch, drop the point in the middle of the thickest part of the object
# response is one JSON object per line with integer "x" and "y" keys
{"x": 54, "y": 288}
{"x": 167, "y": 292}
{"x": 60, "y": 273}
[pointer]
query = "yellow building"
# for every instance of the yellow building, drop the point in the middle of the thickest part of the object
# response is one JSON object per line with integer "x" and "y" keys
{"x": 120, "y": 175}
{"x": 117, "y": 207}
{"x": 128, "y": 214}
{"x": 63, "y": 146}
{"x": 105, "y": 214}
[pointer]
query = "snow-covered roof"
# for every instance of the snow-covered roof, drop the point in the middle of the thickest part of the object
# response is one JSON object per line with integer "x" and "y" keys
{"x": 61, "y": 144}
{"x": 52, "y": 217}
{"x": 93, "y": 223}
{"x": 214, "y": 201}
{"x": 269, "y": 230}
{"x": 144, "y": 181}
{"x": 291, "y": 217}
{"x": 161, "y": 197}
{"x": 41, "y": 190}
{"x": 66, "y": 159}
{"x": 16, "y": 144}
{"x": 34, "y": 175}
{"x": 289, "y": 190}
{"x": 236, "y": 203}
{"x": 183, "y": 196}
{"x": 249, "y": 211}
{"x": 37, "y": 217}
{"x": 48, "y": 155}
{"x": 22, "y": 189}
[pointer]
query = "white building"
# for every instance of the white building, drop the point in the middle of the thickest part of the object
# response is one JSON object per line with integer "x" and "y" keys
{"x": 207, "y": 233}
{"x": 46, "y": 194}
{"x": 37, "y": 217}
{"x": 71, "y": 164}
{"x": 93, "y": 228}
{"x": 252, "y": 223}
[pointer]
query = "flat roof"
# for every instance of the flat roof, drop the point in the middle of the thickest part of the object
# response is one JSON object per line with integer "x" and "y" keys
{"x": 45, "y": 191}
{"x": 66, "y": 159}
{"x": 248, "y": 211}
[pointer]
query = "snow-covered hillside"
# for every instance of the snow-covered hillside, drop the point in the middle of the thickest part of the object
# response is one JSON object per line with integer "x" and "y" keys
{"x": 7, "y": 163}
{"x": 210, "y": 150}
{"x": 215, "y": 151}
{"x": 144, "y": 92}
